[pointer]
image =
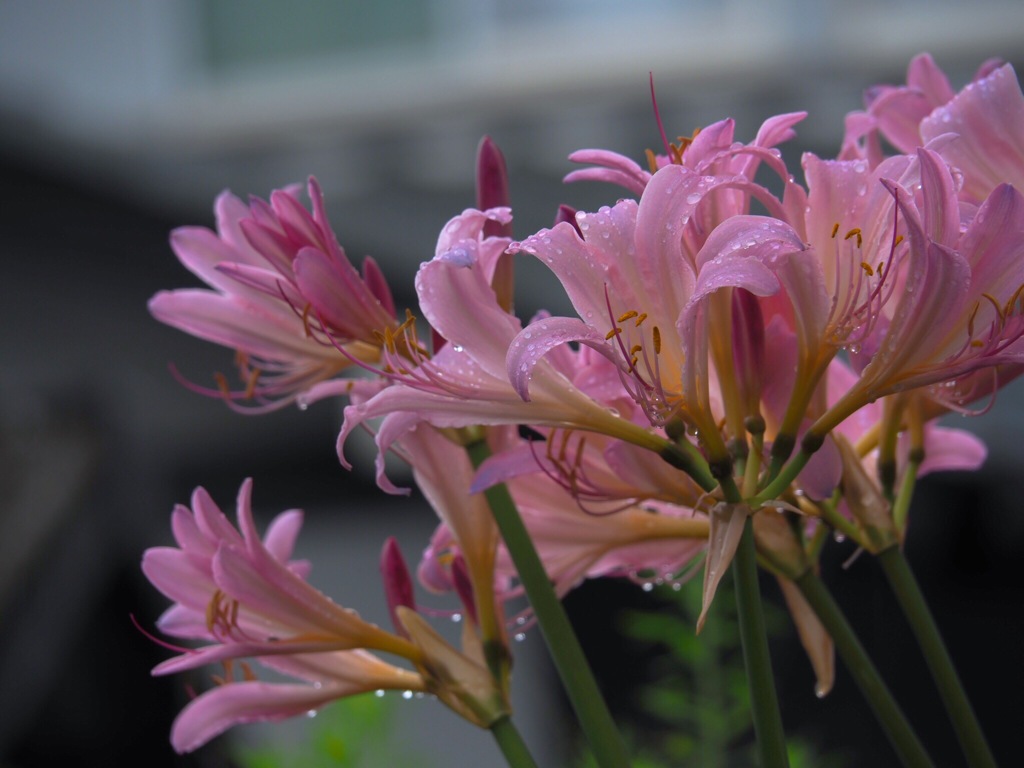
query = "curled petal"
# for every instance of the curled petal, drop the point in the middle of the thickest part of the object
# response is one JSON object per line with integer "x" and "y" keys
{"x": 531, "y": 345}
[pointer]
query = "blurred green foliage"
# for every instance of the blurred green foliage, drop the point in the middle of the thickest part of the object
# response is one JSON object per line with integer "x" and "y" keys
{"x": 351, "y": 733}
{"x": 692, "y": 702}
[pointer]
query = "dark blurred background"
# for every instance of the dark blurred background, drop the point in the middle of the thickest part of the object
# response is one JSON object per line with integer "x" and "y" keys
{"x": 121, "y": 120}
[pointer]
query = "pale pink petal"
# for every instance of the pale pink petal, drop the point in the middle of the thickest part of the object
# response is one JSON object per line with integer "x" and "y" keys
{"x": 531, "y": 345}
{"x": 988, "y": 115}
{"x": 217, "y": 710}
{"x": 282, "y": 533}
{"x": 951, "y": 449}
{"x": 237, "y": 323}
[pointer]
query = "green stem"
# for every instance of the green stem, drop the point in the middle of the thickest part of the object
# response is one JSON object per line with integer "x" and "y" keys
{"x": 863, "y": 671}
{"x": 781, "y": 481}
{"x": 577, "y": 679}
{"x": 908, "y": 593}
{"x": 511, "y": 743}
{"x": 771, "y": 739}
{"x": 901, "y": 509}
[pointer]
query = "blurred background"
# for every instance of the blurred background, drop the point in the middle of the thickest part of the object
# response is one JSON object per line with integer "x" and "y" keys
{"x": 122, "y": 120}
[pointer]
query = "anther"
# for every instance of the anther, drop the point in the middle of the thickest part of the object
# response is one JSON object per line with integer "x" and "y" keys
{"x": 640, "y": 318}
{"x": 656, "y": 337}
{"x": 835, "y": 229}
{"x": 867, "y": 268}
{"x": 899, "y": 239}
{"x": 855, "y": 232}
{"x": 627, "y": 316}
{"x": 613, "y": 332}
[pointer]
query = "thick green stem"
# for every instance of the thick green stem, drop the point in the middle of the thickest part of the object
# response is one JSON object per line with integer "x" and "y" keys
{"x": 771, "y": 739}
{"x": 577, "y": 679}
{"x": 511, "y": 744}
{"x": 887, "y": 711}
{"x": 908, "y": 593}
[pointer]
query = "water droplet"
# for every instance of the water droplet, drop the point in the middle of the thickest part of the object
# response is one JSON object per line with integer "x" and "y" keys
{"x": 457, "y": 347}
{"x": 406, "y": 695}
{"x": 839, "y": 536}
{"x": 379, "y": 693}
{"x": 820, "y": 691}
{"x": 456, "y": 617}
{"x": 647, "y": 586}
{"x": 311, "y": 713}
{"x": 693, "y": 198}
{"x": 520, "y": 636}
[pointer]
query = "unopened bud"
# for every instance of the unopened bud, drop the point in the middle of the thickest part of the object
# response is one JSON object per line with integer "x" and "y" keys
{"x": 398, "y": 587}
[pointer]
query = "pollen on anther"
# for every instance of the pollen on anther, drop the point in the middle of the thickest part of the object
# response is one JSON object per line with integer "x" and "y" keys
{"x": 656, "y": 336}
{"x": 867, "y": 268}
{"x": 613, "y": 332}
{"x": 855, "y": 232}
{"x": 640, "y": 318}
{"x": 899, "y": 239}
{"x": 835, "y": 229}
{"x": 627, "y": 316}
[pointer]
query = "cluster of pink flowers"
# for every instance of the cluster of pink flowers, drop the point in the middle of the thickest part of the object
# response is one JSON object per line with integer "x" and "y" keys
{"x": 786, "y": 365}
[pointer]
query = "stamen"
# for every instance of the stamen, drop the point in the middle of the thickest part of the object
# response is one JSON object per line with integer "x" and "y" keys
{"x": 656, "y": 337}
{"x": 835, "y": 228}
{"x": 997, "y": 305}
{"x": 640, "y": 318}
{"x": 613, "y": 332}
{"x": 867, "y": 268}
{"x": 652, "y": 160}
{"x": 627, "y": 316}
{"x": 899, "y": 239}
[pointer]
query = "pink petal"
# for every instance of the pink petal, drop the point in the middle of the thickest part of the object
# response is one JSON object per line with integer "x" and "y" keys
{"x": 236, "y": 323}
{"x": 951, "y": 449}
{"x": 530, "y": 346}
{"x": 217, "y": 710}
{"x": 989, "y": 117}
{"x": 282, "y": 533}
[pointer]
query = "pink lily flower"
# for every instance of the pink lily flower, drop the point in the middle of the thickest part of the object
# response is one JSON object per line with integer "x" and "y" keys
{"x": 466, "y": 383}
{"x": 246, "y": 598}
{"x": 987, "y": 116}
{"x": 284, "y": 296}
{"x": 961, "y": 307}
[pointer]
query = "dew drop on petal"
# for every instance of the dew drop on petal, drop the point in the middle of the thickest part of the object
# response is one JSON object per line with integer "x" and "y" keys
{"x": 406, "y": 695}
